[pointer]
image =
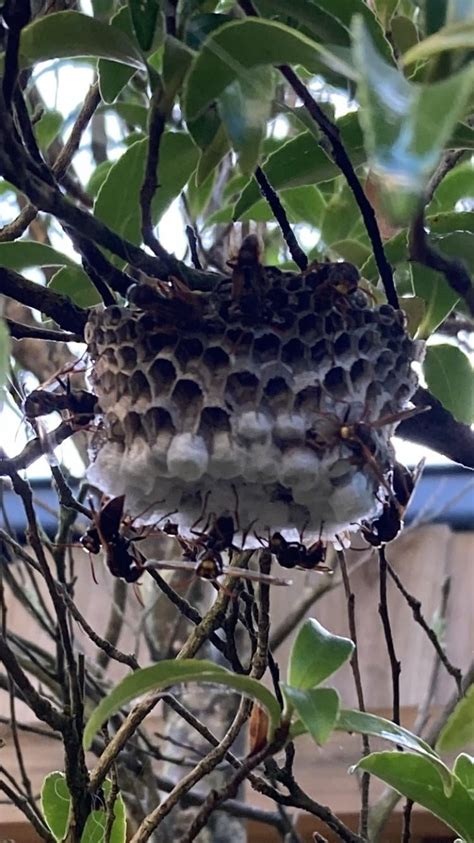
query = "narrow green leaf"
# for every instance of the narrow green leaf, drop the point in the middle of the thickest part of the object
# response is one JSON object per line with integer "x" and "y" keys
{"x": 301, "y": 161}
{"x": 245, "y": 107}
{"x": 316, "y": 654}
{"x": 352, "y": 720}
{"x": 48, "y": 127}
{"x": 450, "y": 377}
{"x": 317, "y": 708}
{"x": 73, "y": 282}
{"x": 120, "y": 208}
{"x": 439, "y": 298}
{"x": 414, "y": 308}
{"x": 172, "y": 672}
{"x": 415, "y": 777}
{"x": 24, "y": 254}
{"x": 458, "y": 731}
{"x": 464, "y": 770}
{"x": 246, "y": 44}
{"x": 113, "y": 76}
{"x": 144, "y": 14}
{"x": 406, "y": 125}
{"x": 4, "y": 353}
{"x": 56, "y": 804}
{"x": 454, "y": 36}
{"x": 72, "y": 35}
{"x": 96, "y": 823}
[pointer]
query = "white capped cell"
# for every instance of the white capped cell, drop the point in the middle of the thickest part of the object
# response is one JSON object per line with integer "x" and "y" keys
{"x": 253, "y": 426}
{"x": 188, "y": 457}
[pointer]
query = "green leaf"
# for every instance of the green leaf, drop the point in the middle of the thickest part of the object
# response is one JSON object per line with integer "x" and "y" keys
{"x": 344, "y": 12}
{"x": 303, "y": 204}
{"x": 352, "y": 720}
{"x": 309, "y": 16}
{"x": 301, "y": 161}
{"x": 245, "y": 107}
{"x": 440, "y": 299}
{"x": 212, "y": 155}
{"x": 351, "y": 250}
{"x": 406, "y": 125}
{"x": 341, "y": 215}
{"x": 457, "y": 184}
{"x": 144, "y": 14}
{"x": 96, "y": 823}
{"x": 458, "y": 731}
{"x": 450, "y": 377}
{"x": 48, "y": 127}
{"x": 25, "y": 254}
{"x": 135, "y": 115}
{"x": 172, "y": 672}
{"x": 120, "y": 208}
{"x": 454, "y": 36}
{"x": 246, "y": 44}
{"x": 4, "y": 353}
{"x": 198, "y": 196}
{"x": 56, "y": 804}
{"x": 385, "y": 9}
{"x": 414, "y": 308}
{"x": 113, "y": 76}
{"x": 177, "y": 58}
{"x": 415, "y": 777}
{"x": 404, "y": 33}
{"x": 98, "y": 177}
{"x": 464, "y": 770}
{"x": 71, "y": 35}
{"x": 73, "y": 282}
{"x": 317, "y": 708}
{"x": 316, "y": 654}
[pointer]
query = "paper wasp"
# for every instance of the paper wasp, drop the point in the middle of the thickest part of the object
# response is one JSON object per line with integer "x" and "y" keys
{"x": 79, "y": 403}
{"x": 295, "y": 554}
{"x": 122, "y": 559}
{"x": 387, "y": 526}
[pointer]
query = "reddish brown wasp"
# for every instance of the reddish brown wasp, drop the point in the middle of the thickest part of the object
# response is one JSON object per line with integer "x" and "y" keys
{"x": 78, "y": 403}
{"x": 121, "y": 557}
{"x": 387, "y": 526}
{"x": 295, "y": 554}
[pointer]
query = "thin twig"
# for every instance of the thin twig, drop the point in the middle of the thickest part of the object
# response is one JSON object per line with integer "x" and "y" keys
{"x": 157, "y": 124}
{"x": 193, "y": 246}
{"x": 203, "y": 768}
{"x": 109, "y": 649}
{"x": 385, "y": 618}
{"x": 406, "y": 832}
{"x": 115, "y": 624}
{"x": 39, "y": 705}
{"x": 279, "y": 213}
{"x": 365, "y": 779}
{"x": 415, "y": 606}
{"x": 16, "y": 228}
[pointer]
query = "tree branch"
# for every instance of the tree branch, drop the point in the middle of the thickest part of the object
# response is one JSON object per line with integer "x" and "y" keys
{"x": 52, "y": 304}
{"x": 438, "y": 429}
{"x": 453, "y": 269}
{"x": 279, "y": 213}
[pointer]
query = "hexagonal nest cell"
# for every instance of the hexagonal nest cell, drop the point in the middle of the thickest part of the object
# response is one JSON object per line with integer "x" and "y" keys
{"x": 274, "y": 401}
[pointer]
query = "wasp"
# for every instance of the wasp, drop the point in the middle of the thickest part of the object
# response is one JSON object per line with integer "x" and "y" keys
{"x": 79, "y": 403}
{"x": 173, "y": 300}
{"x": 122, "y": 559}
{"x": 295, "y": 554}
{"x": 387, "y": 526}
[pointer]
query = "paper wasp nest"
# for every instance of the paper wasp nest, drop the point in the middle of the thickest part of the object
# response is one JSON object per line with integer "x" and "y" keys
{"x": 237, "y": 400}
